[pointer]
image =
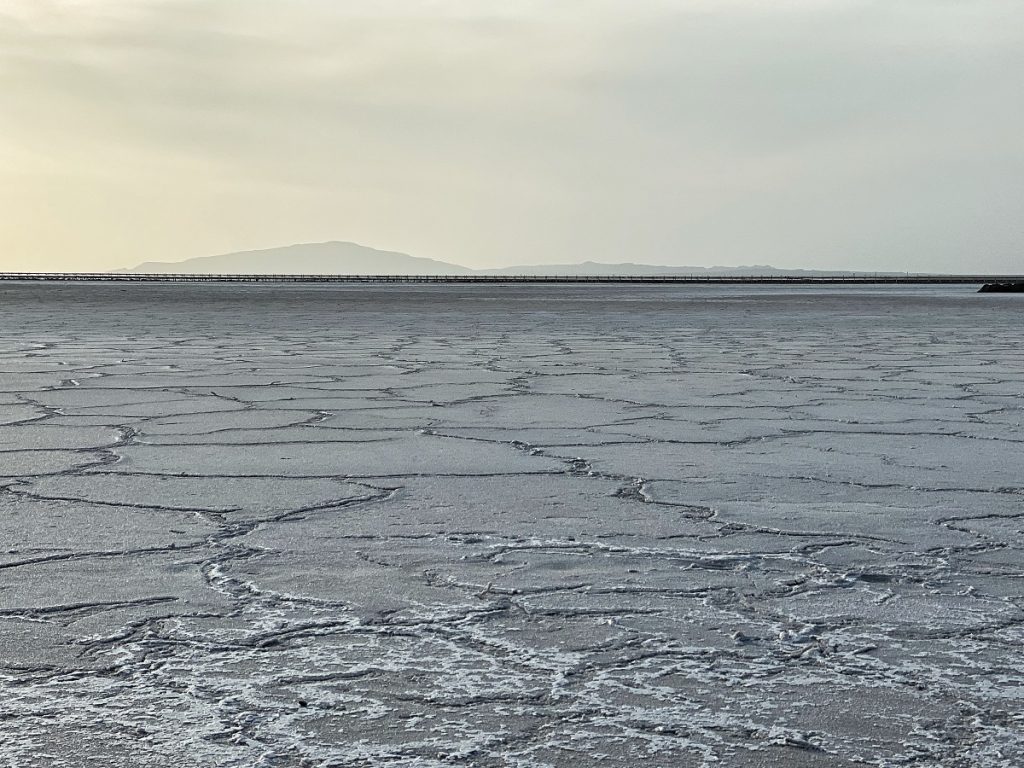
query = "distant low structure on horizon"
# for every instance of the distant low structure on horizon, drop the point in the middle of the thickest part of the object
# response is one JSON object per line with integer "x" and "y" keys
{"x": 344, "y": 258}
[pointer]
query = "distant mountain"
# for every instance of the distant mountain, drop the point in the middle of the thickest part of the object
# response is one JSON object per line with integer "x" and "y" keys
{"x": 340, "y": 258}
{"x": 598, "y": 268}
{"x": 333, "y": 258}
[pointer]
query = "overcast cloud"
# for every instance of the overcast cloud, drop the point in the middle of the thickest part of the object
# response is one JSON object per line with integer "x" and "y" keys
{"x": 801, "y": 133}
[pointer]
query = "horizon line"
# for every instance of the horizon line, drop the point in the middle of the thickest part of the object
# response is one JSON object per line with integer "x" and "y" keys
{"x": 861, "y": 278}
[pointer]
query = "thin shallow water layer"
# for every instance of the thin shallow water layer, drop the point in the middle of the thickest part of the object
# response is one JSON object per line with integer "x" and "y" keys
{"x": 510, "y": 526}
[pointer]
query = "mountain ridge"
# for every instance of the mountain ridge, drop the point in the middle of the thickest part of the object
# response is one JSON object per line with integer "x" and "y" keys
{"x": 336, "y": 257}
{"x": 305, "y": 259}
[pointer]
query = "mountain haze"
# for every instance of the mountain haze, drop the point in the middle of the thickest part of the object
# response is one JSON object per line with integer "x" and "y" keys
{"x": 344, "y": 258}
{"x": 332, "y": 258}
{"x": 626, "y": 268}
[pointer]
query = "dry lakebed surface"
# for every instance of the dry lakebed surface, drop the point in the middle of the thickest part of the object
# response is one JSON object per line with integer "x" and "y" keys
{"x": 310, "y": 526}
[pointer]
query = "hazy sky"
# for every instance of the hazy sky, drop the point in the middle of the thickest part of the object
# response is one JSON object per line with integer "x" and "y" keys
{"x": 870, "y": 134}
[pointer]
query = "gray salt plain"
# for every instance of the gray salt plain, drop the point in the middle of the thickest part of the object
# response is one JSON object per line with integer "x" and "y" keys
{"x": 510, "y": 526}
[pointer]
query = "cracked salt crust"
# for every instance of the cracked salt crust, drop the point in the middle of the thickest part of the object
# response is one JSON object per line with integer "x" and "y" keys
{"x": 289, "y": 526}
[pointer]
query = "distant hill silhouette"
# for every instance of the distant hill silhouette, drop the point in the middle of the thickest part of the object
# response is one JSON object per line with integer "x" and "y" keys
{"x": 342, "y": 258}
{"x": 333, "y": 258}
{"x": 628, "y": 268}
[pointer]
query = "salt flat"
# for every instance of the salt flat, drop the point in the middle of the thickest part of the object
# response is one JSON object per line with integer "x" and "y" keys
{"x": 510, "y": 525}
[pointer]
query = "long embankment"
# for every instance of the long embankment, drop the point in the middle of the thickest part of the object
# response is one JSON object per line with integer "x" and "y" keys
{"x": 858, "y": 279}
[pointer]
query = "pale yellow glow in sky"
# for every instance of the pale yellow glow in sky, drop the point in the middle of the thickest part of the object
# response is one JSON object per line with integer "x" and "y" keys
{"x": 830, "y": 134}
